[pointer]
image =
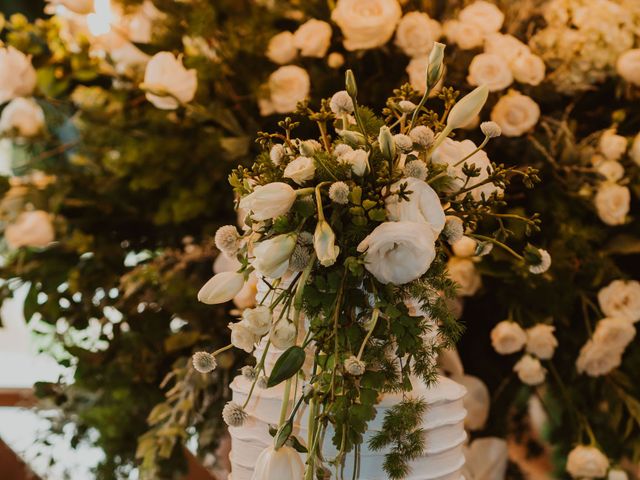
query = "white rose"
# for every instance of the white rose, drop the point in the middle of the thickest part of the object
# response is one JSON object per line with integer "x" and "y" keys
{"x": 300, "y": 170}
{"x": 24, "y": 116}
{"x": 283, "y": 334}
{"x": 221, "y": 288}
{"x": 634, "y": 153}
{"x": 269, "y": 201}
{"x": 366, "y": 24}
{"x": 399, "y": 252}
{"x": 612, "y": 203}
{"x": 272, "y": 256}
{"x": 423, "y": 205}
{"x": 628, "y": 66}
{"x": 515, "y": 113}
{"x": 168, "y": 82}
{"x": 587, "y": 462}
{"x": 541, "y": 341}
{"x": 484, "y": 15}
{"x": 281, "y": 49}
{"x": 288, "y": 86}
{"x": 242, "y": 337}
{"x": 477, "y": 401}
{"x": 508, "y": 337}
{"x": 31, "y": 229}
{"x": 17, "y": 75}
{"x": 611, "y": 145}
{"x": 281, "y": 464}
{"x": 610, "y": 170}
{"x": 491, "y": 70}
{"x": 505, "y": 45}
{"x": 597, "y": 359}
{"x": 258, "y": 319}
{"x": 530, "y": 371}
{"x": 465, "y": 247}
{"x": 358, "y": 159}
{"x": 416, "y": 33}
{"x": 464, "y": 272}
{"x": 621, "y": 299}
{"x": 466, "y": 35}
{"x": 487, "y": 458}
{"x": 616, "y": 333}
{"x": 313, "y": 38}
{"x": 528, "y": 68}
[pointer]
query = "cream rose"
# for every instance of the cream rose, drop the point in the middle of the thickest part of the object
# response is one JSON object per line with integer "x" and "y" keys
{"x": 169, "y": 84}
{"x": 313, "y": 38}
{"x": 242, "y": 337}
{"x": 528, "y": 68}
{"x": 272, "y": 256}
{"x": 300, "y": 170}
{"x": 611, "y": 170}
{"x": 17, "y": 75}
{"x": 505, "y": 45}
{"x": 466, "y": 35}
{"x": 30, "y": 229}
{"x": 416, "y": 33}
{"x": 515, "y": 113}
{"x": 621, "y": 299}
{"x": 269, "y": 201}
{"x": 366, "y": 24}
{"x": 508, "y": 337}
{"x": 399, "y": 252}
{"x": 587, "y": 462}
{"x": 484, "y": 15}
{"x": 612, "y": 202}
{"x": 541, "y": 341}
{"x": 24, "y": 116}
{"x": 628, "y": 66}
{"x": 597, "y": 359}
{"x": 612, "y": 145}
{"x": 281, "y": 48}
{"x": 423, "y": 205}
{"x": 283, "y": 334}
{"x": 616, "y": 333}
{"x": 257, "y": 319}
{"x": 530, "y": 371}
{"x": 288, "y": 86}
{"x": 490, "y": 70}
{"x": 464, "y": 272}
{"x": 464, "y": 247}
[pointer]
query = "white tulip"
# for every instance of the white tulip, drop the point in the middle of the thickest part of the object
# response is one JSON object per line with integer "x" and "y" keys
{"x": 17, "y": 75}
{"x": 423, "y": 205}
{"x": 272, "y": 256}
{"x": 30, "y": 229}
{"x": 282, "y": 464}
{"x": 300, "y": 170}
{"x": 508, "y": 337}
{"x": 399, "y": 252}
{"x": 242, "y": 336}
{"x": 324, "y": 243}
{"x": 587, "y": 462}
{"x": 283, "y": 334}
{"x": 269, "y": 201}
{"x": 24, "y": 116}
{"x": 467, "y": 107}
{"x": 169, "y": 84}
{"x": 221, "y": 288}
{"x": 621, "y": 299}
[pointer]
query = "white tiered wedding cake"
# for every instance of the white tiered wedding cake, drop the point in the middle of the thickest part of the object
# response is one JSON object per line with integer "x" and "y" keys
{"x": 443, "y": 424}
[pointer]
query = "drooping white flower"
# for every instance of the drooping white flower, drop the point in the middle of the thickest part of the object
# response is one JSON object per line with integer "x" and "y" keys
{"x": 281, "y": 48}
{"x": 464, "y": 272}
{"x": 399, "y": 252}
{"x": 221, "y": 288}
{"x": 242, "y": 336}
{"x": 288, "y": 85}
{"x": 486, "y": 16}
{"x": 269, "y": 201}
{"x": 422, "y": 206}
{"x": 24, "y": 116}
{"x": 204, "y": 362}
{"x": 530, "y": 371}
{"x": 541, "y": 341}
{"x": 612, "y": 203}
{"x": 416, "y": 33}
{"x": 233, "y": 414}
{"x": 490, "y": 70}
{"x": 621, "y": 299}
{"x": 597, "y": 359}
{"x": 281, "y": 464}
{"x": 508, "y": 337}
{"x": 300, "y": 170}
{"x": 515, "y": 113}
{"x": 354, "y": 367}
{"x": 528, "y": 68}
{"x": 272, "y": 255}
{"x": 615, "y": 333}
{"x": 168, "y": 83}
{"x": 628, "y": 66}
{"x": 17, "y": 75}
{"x": 31, "y": 228}
{"x": 313, "y": 38}
{"x": 587, "y": 462}
{"x": 283, "y": 334}
{"x": 257, "y": 319}
{"x": 324, "y": 243}
{"x": 366, "y": 24}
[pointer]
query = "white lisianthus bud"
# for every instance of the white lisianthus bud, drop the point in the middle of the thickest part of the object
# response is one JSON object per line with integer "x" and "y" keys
{"x": 422, "y": 135}
{"x": 24, "y": 116}
{"x": 628, "y": 66}
{"x": 17, "y": 75}
{"x": 621, "y": 299}
{"x": 283, "y": 334}
{"x": 335, "y": 60}
{"x": 354, "y": 367}
{"x": 350, "y": 83}
{"x": 283, "y": 463}
{"x": 467, "y": 108}
{"x": 269, "y": 201}
{"x": 403, "y": 142}
{"x": 221, "y": 288}
{"x": 354, "y": 139}
{"x": 436, "y": 64}
{"x": 32, "y": 228}
{"x": 168, "y": 83}
{"x": 508, "y": 337}
{"x": 465, "y": 247}
{"x": 387, "y": 145}
{"x": 227, "y": 240}
{"x": 277, "y": 153}
{"x": 530, "y": 370}
{"x": 587, "y": 462}
{"x": 248, "y": 372}
{"x": 541, "y": 341}
{"x": 204, "y": 362}
{"x": 341, "y": 103}
{"x": 612, "y": 145}
{"x": 257, "y": 319}
{"x": 491, "y": 129}
{"x": 309, "y": 147}
{"x": 415, "y": 169}
{"x": 453, "y": 229}
{"x": 300, "y": 170}
{"x": 233, "y": 414}
{"x": 339, "y": 193}
{"x": 272, "y": 256}
{"x": 281, "y": 49}
{"x": 242, "y": 336}
{"x": 324, "y": 243}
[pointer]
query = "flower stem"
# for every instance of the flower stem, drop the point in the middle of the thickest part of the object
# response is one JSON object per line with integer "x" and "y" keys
{"x": 374, "y": 322}
{"x": 480, "y": 147}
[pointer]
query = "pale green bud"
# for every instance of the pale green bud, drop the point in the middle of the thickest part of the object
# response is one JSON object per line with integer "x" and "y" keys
{"x": 387, "y": 144}
{"x": 467, "y": 108}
